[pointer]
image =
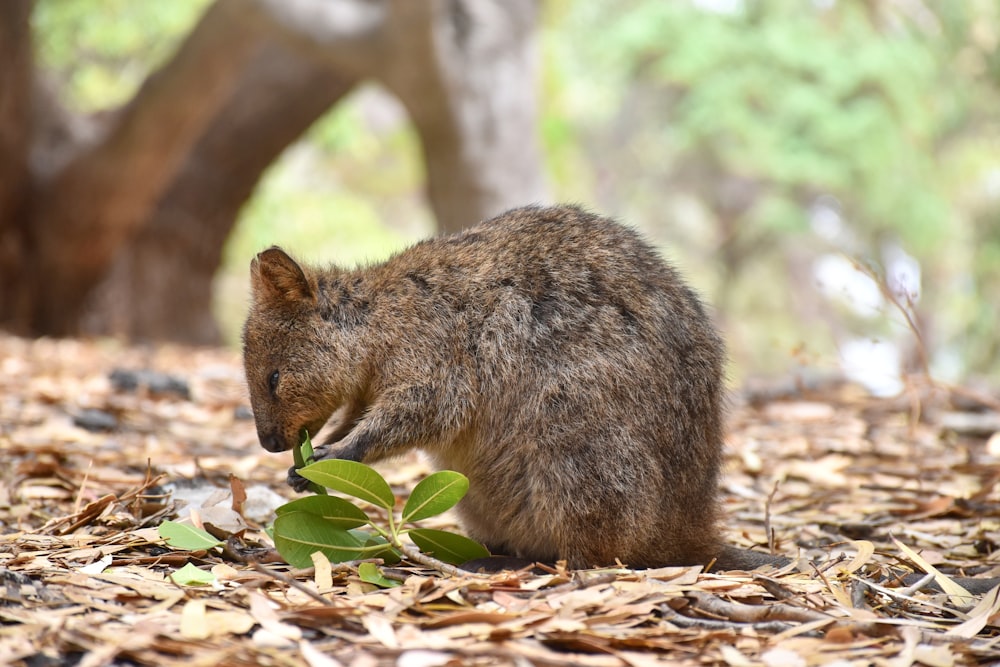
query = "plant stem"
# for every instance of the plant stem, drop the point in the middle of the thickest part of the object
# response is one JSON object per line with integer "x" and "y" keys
{"x": 393, "y": 529}
{"x": 417, "y": 556}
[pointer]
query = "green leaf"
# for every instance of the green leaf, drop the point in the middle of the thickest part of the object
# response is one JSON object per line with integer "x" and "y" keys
{"x": 191, "y": 575}
{"x": 187, "y": 537}
{"x": 385, "y": 551}
{"x": 353, "y": 478}
{"x": 302, "y": 455}
{"x": 306, "y": 449}
{"x": 339, "y": 512}
{"x": 298, "y": 534}
{"x": 299, "y": 453}
{"x": 449, "y": 547}
{"x": 435, "y": 494}
{"x": 371, "y": 573}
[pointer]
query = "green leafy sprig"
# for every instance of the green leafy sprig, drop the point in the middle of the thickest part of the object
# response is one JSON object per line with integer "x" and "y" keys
{"x": 342, "y": 531}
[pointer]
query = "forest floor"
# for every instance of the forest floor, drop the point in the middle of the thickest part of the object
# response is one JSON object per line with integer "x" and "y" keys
{"x": 91, "y": 442}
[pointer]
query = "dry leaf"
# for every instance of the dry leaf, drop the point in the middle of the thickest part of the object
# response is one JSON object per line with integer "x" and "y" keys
{"x": 324, "y": 572}
{"x": 97, "y": 566}
{"x": 851, "y": 470}
{"x": 380, "y": 628}
{"x": 193, "y": 624}
{"x": 264, "y": 614}
{"x": 865, "y": 551}
{"x": 423, "y": 658}
{"x": 316, "y": 658}
{"x": 980, "y": 616}
{"x": 958, "y": 595}
{"x": 778, "y": 657}
{"x": 733, "y": 657}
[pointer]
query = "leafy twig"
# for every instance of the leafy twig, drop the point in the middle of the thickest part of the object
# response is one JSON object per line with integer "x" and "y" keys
{"x": 330, "y": 524}
{"x": 417, "y": 556}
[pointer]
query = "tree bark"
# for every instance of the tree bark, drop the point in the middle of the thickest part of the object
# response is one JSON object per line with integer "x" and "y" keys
{"x": 465, "y": 71}
{"x": 159, "y": 286}
{"x": 471, "y": 94}
{"x": 16, "y": 75}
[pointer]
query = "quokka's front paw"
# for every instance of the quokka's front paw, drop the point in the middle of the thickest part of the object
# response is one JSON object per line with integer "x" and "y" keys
{"x": 321, "y": 453}
{"x": 297, "y": 481}
{"x": 340, "y": 450}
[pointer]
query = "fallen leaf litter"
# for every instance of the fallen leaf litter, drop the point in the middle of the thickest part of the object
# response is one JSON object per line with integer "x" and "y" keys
{"x": 93, "y": 435}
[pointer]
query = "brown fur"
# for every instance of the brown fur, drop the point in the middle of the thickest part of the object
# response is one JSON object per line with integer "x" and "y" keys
{"x": 548, "y": 354}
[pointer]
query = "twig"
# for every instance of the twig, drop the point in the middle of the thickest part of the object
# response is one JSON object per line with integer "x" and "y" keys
{"x": 918, "y": 586}
{"x": 78, "y": 503}
{"x": 585, "y": 581}
{"x": 906, "y": 311}
{"x": 767, "y": 517}
{"x": 774, "y": 587}
{"x": 93, "y": 509}
{"x": 898, "y": 594}
{"x": 682, "y": 621}
{"x": 289, "y": 581}
{"x": 417, "y": 556}
{"x": 746, "y": 613}
{"x": 90, "y": 512}
{"x": 971, "y": 394}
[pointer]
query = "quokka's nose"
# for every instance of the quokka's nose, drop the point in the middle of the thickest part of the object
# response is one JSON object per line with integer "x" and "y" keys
{"x": 272, "y": 443}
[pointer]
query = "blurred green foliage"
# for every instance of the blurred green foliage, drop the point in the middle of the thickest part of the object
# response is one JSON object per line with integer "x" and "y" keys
{"x": 724, "y": 128}
{"x": 800, "y": 101}
{"x": 102, "y": 50}
{"x": 741, "y": 117}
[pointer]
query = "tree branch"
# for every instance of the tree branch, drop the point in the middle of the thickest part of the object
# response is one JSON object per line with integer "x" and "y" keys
{"x": 346, "y": 33}
{"x": 77, "y": 232}
{"x": 464, "y": 69}
{"x": 468, "y": 81}
{"x": 157, "y": 288}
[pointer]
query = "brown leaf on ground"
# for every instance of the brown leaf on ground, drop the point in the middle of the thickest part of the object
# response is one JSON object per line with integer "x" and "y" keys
{"x": 91, "y": 454}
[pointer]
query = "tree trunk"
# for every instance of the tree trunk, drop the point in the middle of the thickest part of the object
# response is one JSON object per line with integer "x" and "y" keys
{"x": 159, "y": 286}
{"x": 16, "y": 74}
{"x": 464, "y": 69}
{"x": 469, "y": 85}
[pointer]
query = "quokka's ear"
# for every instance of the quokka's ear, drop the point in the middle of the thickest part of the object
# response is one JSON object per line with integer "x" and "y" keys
{"x": 274, "y": 276}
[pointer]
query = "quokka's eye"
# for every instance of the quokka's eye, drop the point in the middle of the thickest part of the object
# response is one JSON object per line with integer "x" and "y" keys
{"x": 272, "y": 382}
